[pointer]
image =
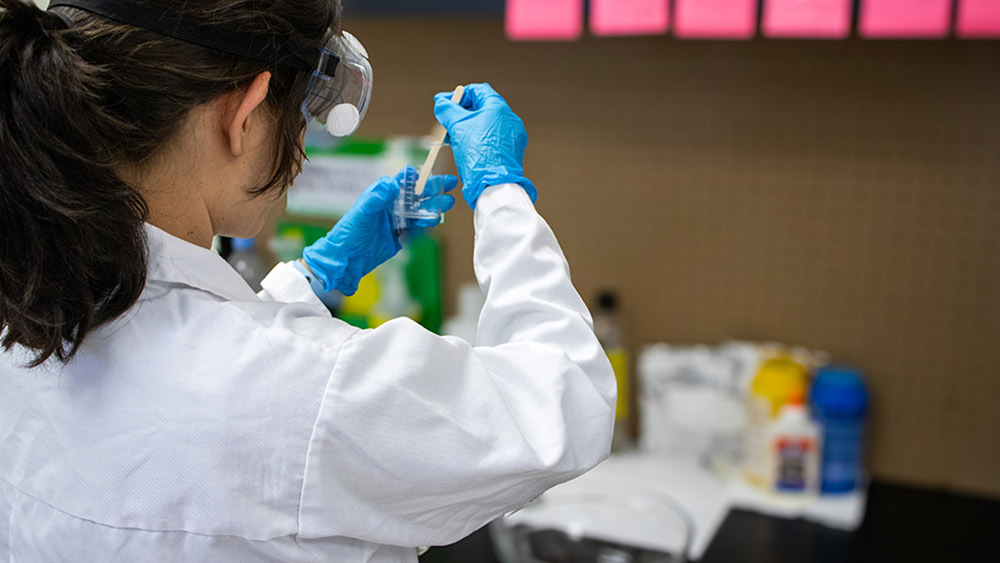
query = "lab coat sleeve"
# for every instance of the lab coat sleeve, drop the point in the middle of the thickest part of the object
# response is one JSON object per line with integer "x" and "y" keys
{"x": 423, "y": 439}
{"x": 285, "y": 284}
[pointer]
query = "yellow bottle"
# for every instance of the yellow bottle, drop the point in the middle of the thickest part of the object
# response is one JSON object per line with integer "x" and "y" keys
{"x": 777, "y": 381}
{"x": 607, "y": 327}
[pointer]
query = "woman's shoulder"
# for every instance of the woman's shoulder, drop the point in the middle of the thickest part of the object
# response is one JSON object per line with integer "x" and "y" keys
{"x": 193, "y": 317}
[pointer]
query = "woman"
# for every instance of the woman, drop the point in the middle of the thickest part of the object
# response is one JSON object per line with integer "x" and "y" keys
{"x": 152, "y": 407}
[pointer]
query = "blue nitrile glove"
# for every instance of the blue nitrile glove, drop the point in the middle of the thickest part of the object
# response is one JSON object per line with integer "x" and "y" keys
{"x": 487, "y": 138}
{"x": 364, "y": 238}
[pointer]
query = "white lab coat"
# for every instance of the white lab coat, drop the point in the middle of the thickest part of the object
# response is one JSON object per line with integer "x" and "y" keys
{"x": 210, "y": 424}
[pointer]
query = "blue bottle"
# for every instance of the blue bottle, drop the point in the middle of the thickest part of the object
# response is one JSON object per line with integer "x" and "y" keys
{"x": 840, "y": 405}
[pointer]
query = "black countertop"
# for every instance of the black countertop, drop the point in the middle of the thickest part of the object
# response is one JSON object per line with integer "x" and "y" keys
{"x": 901, "y": 524}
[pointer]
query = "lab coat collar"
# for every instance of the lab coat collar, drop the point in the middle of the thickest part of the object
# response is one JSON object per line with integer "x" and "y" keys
{"x": 175, "y": 261}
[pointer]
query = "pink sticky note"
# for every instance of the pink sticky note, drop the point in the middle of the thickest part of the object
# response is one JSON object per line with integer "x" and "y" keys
{"x": 629, "y": 17}
{"x": 978, "y": 18}
{"x": 544, "y": 19}
{"x": 905, "y": 18}
{"x": 828, "y": 19}
{"x": 717, "y": 19}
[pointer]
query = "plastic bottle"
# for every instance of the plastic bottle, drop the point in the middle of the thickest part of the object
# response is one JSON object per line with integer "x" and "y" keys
{"x": 607, "y": 327}
{"x": 246, "y": 262}
{"x": 777, "y": 380}
{"x": 794, "y": 446}
{"x": 840, "y": 406}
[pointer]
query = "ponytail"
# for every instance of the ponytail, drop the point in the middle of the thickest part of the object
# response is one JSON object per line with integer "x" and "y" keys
{"x": 72, "y": 242}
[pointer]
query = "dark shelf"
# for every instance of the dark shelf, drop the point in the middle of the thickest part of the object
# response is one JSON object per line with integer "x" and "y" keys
{"x": 901, "y": 524}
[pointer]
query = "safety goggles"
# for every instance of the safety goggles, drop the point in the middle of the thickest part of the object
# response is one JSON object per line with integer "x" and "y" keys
{"x": 341, "y": 86}
{"x": 339, "y": 89}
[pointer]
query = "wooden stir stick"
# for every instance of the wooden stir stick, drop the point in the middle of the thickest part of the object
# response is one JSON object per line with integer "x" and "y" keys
{"x": 428, "y": 167}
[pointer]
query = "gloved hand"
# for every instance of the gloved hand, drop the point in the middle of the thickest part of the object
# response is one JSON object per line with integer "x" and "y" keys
{"x": 365, "y": 237}
{"x": 487, "y": 138}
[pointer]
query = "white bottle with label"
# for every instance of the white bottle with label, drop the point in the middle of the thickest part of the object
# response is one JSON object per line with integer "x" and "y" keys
{"x": 794, "y": 448}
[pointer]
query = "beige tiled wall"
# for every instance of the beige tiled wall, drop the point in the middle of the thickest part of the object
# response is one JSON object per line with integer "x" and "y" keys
{"x": 842, "y": 195}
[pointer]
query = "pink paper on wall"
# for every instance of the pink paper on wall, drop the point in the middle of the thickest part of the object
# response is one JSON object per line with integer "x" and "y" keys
{"x": 978, "y": 18}
{"x": 827, "y": 19}
{"x": 629, "y": 17}
{"x": 718, "y": 19}
{"x": 905, "y": 18}
{"x": 544, "y": 19}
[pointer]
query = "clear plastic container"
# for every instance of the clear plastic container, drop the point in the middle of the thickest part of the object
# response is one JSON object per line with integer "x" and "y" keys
{"x": 595, "y": 527}
{"x": 411, "y": 207}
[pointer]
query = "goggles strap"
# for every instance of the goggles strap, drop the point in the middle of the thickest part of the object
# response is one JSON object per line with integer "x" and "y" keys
{"x": 212, "y": 36}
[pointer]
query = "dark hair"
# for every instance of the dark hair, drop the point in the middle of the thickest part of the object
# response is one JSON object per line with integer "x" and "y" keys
{"x": 78, "y": 103}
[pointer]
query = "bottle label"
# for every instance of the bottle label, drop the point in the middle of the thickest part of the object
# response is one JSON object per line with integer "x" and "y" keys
{"x": 794, "y": 457}
{"x": 842, "y": 451}
{"x": 619, "y": 364}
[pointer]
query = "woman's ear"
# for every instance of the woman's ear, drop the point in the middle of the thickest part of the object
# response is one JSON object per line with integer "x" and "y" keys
{"x": 240, "y": 121}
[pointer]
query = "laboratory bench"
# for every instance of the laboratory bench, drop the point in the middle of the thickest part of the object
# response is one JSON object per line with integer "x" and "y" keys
{"x": 901, "y": 524}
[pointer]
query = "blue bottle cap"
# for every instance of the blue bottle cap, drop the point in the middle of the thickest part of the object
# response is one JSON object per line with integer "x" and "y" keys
{"x": 839, "y": 391}
{"x": 242, "y": 243}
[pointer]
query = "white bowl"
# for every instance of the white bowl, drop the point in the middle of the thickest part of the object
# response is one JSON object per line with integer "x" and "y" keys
{"x": 595, "y": 527}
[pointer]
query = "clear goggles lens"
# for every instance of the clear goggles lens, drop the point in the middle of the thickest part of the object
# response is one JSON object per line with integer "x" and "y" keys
{"x": 340, "y": 100}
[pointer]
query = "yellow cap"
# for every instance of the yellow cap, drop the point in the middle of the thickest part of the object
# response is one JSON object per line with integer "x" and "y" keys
{"x": 778, "y": 380}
